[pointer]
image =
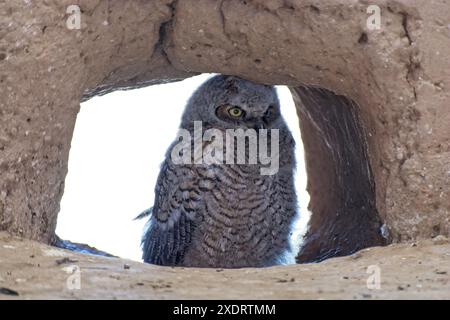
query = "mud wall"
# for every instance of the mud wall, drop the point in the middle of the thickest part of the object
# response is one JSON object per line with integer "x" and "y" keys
{"x": 397, "y": 76}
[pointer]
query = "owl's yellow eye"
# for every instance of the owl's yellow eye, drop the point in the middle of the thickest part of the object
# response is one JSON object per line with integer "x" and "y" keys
{"x": 235, "y": 112}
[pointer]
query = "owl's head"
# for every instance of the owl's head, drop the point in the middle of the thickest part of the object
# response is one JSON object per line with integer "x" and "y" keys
{"x": 230, "y": 102}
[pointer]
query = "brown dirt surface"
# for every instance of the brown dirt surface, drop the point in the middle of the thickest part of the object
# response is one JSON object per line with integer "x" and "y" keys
{"x": 407, "y": 271}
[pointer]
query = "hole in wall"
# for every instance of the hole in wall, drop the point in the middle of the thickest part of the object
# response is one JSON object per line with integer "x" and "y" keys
{"x": 118, "y": 145}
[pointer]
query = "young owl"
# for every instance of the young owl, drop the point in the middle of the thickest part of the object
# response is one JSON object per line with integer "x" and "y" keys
{"x": 229, "y": 213}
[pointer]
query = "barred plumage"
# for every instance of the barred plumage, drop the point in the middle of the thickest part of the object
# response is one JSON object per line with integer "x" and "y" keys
{"x": 224, "y": 215}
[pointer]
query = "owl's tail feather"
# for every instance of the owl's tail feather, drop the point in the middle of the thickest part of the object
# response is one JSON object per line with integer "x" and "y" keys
{"x": 144, "y": 214}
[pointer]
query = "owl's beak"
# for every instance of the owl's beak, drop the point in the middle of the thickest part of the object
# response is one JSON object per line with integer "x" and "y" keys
{"x": 259, "y": 125}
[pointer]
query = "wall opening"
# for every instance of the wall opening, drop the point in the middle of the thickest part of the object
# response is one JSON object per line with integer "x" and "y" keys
{"x": 118, "y": 145}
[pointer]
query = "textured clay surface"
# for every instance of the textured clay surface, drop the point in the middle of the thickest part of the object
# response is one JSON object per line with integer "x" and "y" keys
{"x": 30, "y": 270}
{"x": 398, "y": 78}
{"x": 340, "y": 179}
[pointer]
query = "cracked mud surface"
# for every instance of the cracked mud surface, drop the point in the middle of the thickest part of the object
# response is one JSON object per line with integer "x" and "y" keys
{"x": 408, "y": 271}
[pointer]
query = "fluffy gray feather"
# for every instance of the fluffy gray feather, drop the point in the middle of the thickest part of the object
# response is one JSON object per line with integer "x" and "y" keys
{"x": 224, "y": 215}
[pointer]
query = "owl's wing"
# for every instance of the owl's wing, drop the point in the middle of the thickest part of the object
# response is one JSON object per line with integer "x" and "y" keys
{"x": 171, "y": 223}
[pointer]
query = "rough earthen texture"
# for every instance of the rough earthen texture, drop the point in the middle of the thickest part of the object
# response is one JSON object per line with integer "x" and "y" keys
{"x": 33, "y": 270}
{"x": 340, "y": 179}
{"x": 398, "y": 77}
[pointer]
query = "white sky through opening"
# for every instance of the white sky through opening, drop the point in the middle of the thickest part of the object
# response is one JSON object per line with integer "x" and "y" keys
{"x": 118, "y": 145}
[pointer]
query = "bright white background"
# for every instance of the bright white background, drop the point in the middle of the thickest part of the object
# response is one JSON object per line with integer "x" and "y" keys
{"x": 119, "y": 142}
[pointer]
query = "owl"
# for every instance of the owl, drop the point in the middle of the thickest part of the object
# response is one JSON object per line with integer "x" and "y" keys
{"x": 226, "y": 213}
